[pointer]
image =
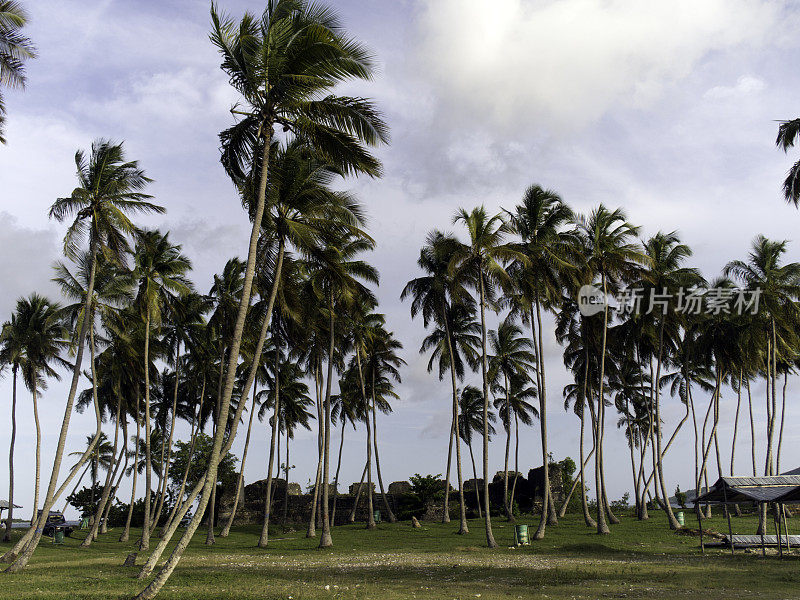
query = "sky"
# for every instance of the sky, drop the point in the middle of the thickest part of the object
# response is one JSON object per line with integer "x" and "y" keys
{"x": 667, "y": 109}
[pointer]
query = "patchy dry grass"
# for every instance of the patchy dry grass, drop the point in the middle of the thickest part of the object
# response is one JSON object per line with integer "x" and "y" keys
{"x": 394, "y": 562}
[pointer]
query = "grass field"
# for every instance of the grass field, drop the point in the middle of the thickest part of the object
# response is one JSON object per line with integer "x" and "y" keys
{"x": 638, "y": 560}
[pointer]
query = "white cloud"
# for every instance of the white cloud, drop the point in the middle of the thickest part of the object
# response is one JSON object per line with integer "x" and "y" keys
{"x": 566, "y": 63}
{"x": 746, "y": 85}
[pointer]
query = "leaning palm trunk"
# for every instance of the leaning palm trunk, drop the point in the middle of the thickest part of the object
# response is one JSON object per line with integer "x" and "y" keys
{"x": 516, "y": 462}
{"x": 23, "y": 550}
{"x": 264, "y": 539}
{"x": 446, "y": 504}
{"x": 312, "y": 530}
{"x": 673, "y": 521}
{"x": 193, "y": 437}
{"x": 211, "y": 475}
{"x": 110, "y": 473}
{"x": 392, "y": 518}
{"x": 352, "y": 517}
{"x": 475, "y": 479}
{"x": 212, "y": 504}
{"x": 488, "y": 517}
{"x": 240, "y": 480}
{"x": 144, "y": 543}
{"x": 127, "y": 531}
{"x": 166, "y": 464}
{"x": 124, "y": 457}
{"x": 463, "y": 527}
{"x": 10, "y": 519}
{"x": 335, "y": 477}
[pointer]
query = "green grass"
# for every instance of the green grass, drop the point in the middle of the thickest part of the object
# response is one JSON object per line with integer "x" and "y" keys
{"x": 638, "y": 560}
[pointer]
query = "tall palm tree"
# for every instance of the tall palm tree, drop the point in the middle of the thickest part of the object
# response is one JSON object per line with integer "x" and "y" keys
{"x": 606, "y": 239}
{"x": 511, "y": 358}
{"x": 665, "y": 275}
{"x": 274, "y": 63}
{"x": 549, "y": 249}
{"x": 479, "y": 264}
{"x": 160, "y": 270}
{"x": 109, "y": 190}
{"x": 45, "y": 344}
{"x": 448, "y": 308}
{"x": 15, "y": 49}
{"x": 471, "y": 420}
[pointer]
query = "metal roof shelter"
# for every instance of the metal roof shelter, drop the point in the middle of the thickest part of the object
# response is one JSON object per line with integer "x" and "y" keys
{"x": 4, "y": 505}
{"x": 775, "y": 489}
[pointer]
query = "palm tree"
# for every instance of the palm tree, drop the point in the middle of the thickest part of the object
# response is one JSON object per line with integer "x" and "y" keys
{"x": 511, "y": 359}
{"x": 788, "y": 132}
{"x": 548, "y": 249}
{"x": 479, "y": 264}
{"x": 160, "y": 270}
{"x": 471, "y": 420}
{"x": 45, "y": 343}
{"x": 450, "y": 309}
{"x": 778, "y": 287}
{"x": 605, "y": 237}
{"x": 15, "y": 49}
{"x": 109, "y": 189}
{"x": 273, "y": 62}
{"x": 666, "y": 276}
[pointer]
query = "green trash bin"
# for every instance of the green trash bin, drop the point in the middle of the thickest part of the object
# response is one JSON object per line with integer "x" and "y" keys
{"x": 377, "y": 516}
{"x": 681, "y": 518}
{"x": 58, "y": 536}
{"x": 521, "y": 535}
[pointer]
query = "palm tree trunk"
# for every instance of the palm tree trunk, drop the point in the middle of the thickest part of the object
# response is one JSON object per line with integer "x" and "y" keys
{"x": 475, "y": 479}
{"x": 127, "y": 531}
{"x": 516, "y": 462}
{"x": 10, "y": 518}
{"x": 352, "y": 517}
{"x": 166, "y": 464}
{"x": 325, "y": 540}
{"x": 546, "y": 507}
{"x": 446, "y": 504}
{"x": 211, "y": 478}
{"x": 752, "y": 428}
{"x": 783, "y": 419}
{"x": 37, "y": 472}
{"x": 240, "y": 480}
{"x": 92, "y": 535}
{"x": 286, "y": 487}
{"x": 370, "y": 506}
{"x": 31, "y": 539}
{"x": 212, "y": 504}
{"x": 179, "y": 501}
{"x": 507, "y": 427}
{"x": 144, "y": 544}
{"x": 488, "y": 517}
{"x": 124, "y": 457}
{"x": 264, "y": 539}
{"x": 338, "y": 468}
{"x": 602, "y": 526}
{"x": 463, "y": 527}
{"x": 671, "y": 519}
{"x": 392, "y": 518}
{"x": 312, "y": 532}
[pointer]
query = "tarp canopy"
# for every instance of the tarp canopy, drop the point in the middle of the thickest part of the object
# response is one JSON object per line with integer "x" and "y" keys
{"x": 774, "y": 488}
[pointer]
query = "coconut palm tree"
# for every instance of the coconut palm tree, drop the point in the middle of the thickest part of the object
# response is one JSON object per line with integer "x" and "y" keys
{"x": 549, "y": 249}
{"x": 471, "y": 420}
{"x": 274, "y": 63}
{"x": 109, "y": 190}
{"x": 448, "y": 308}
{"x": 479, "y": 264}
{"x": 606, "y": 241}
{"x": 15, "y": 49}
{"x": 160, "y": 271}
{"x": 46, "y": 341}
{"x": 511, "y": 357}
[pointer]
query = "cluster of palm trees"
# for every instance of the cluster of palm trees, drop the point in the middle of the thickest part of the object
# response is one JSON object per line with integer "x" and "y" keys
{"x": 536, "y": 258}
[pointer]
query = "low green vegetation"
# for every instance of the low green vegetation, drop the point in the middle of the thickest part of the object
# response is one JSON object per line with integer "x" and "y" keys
{"x": 395, "y": 561}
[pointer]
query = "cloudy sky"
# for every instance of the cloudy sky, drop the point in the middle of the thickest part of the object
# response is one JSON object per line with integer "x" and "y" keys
{"x": 667, "y": 109}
